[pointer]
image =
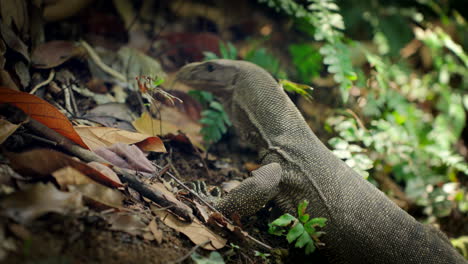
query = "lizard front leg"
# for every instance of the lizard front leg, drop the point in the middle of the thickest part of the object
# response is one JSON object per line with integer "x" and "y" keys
{"x": 253, "y": 193}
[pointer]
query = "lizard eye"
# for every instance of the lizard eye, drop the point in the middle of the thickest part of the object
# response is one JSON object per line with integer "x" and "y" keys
{"x": 210, "y": 68}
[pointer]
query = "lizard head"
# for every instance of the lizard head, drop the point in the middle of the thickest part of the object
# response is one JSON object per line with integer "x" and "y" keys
{"x": 216, "y": 76}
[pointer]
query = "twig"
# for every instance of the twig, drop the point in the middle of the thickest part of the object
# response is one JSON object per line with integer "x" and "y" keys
{"x": 67, "y": 97}
{"x": 358, "y": 120}
{"x": 186, "y": 256}
{"x": 212, "y": 207}
{"x": 95, "y": 57}
{"x": 41, "y": 139}
{"x": 189, "y": 190}
{"x": 39, "y": 85}
{"x": 203, "y": 160}
{"x": 73, "y": 100}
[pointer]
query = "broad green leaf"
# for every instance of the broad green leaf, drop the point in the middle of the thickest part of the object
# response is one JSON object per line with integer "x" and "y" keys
{"x": 303, "y": 240}
{"x": 284, "y": 220}
{"x": 295, "y": 232}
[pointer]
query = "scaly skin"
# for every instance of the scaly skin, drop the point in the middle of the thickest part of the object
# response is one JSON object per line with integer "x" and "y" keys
{"x": 363, "y": 225}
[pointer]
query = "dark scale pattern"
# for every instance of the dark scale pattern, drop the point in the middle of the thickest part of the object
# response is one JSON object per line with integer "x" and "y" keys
{"x": 363, "y": 226}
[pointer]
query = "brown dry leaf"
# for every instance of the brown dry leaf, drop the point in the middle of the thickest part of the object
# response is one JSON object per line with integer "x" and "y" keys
{"x": 7, "y": 81}
{"x": 169, "y": 195}
{"x": 61, "y": 9}
{"x": 97, "y": 137}
{"x": 195, "y": 231}
{"x": 25, "y": 206}
{"x": 41, "y": 111}
{"x": 126, "y": 156}
{"x": 157, "y": 233}
{"x": 72, "y": 179}
{"x": 176, "y": 121}
{"x": 15, "y": 12}
{"x": 149, "y": 126}
{"x": 70, "y": 176}
{"x": 102, "y": 197}
{"x": 13, "y": 41}
{"x": 129, "y": 223}
{"x": 105, "y": 170}
{"x": 43, "y": 162}
{"x": 53, "y": 53}
{"x": 6, "y": 129}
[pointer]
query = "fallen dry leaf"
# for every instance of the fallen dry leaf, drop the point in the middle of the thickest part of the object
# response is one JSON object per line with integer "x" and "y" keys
{"x": 129, "y": 223}
{"x": 15, "y": 12}
{"x": 102, "y": 197}
{"x": 157, "y": 233}
{"x": 176, "y": 121}
{"x": 72, "y": 180}
{"x": 53, "y": 53}
{"x": 27, "y": 205}
{"x": 69, "y": 176}
{"x": 105, "y": 170}
{"x": 195, "y": 231}
{"x": 126, "y": 156}
{"x": 13, "y": 41}
{"x": 6, "y": 129}
{"x": 43, "y": 162}
{"x": 97, "y": 137}
{"x": 41, "y": 111}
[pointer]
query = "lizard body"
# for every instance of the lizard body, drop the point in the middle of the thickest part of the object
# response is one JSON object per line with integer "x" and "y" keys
{"x": 363, "y": 225}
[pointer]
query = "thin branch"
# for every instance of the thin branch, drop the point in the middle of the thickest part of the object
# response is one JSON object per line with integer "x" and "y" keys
{"x": 212, "y": 207}
{"x": 39, "y": 85}
{"x": 95, "y": 57}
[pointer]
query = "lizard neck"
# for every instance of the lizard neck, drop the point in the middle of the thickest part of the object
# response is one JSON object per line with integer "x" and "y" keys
{"x": 266, "y": 117}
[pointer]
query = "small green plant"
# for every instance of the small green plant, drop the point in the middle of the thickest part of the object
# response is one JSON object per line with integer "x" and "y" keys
{"x": 214, "y": 119}
{"x": 263, "y": 256}
{"x": 213, "y": 258}
{"x": 302, "y": 230}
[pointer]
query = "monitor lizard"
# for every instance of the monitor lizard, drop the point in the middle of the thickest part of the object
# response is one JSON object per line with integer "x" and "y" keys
{"x": 363, "y": 226}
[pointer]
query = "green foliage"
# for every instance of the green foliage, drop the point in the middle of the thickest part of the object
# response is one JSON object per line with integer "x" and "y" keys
{"x": 263, "y": 256}
{"x": 307, "y": 60}
{"x": 227, "y": 51}
{"x": 214, "y": 119}
{"x": 301, "y": 230}
{"x": 327, "y": 23}
{"x": 213, "y": 258}
{"x": 264, "y": 59}
{"x": 413, "y": 120}
{"x": 461, "y": 244}
{"x": 301, "y": 89}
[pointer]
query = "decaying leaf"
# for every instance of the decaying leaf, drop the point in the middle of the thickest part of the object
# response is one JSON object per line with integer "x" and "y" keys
{"x": 6, "y": 129}
{"x": 43, "y": 162}
{"x": 53, "y": 53}
{"x": 13, "y": 41}
{"x": 176, "y": 121}
{"x": 157, "y": 233}
{"x": 126, "y": 156}
{"x": 71, "y": 179}
{"x": 97, "y": 137}
{"x": 61, "y": 9}
{"x": 102, "y": 197}
{"x": 126, "y": 222}
{"x": 41, "y": 111}
{"x": 69, "y": 176}
{"x": 27, "y": 205}
{"x": 105, "y": 170}
{"x": 195, "y": 231}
